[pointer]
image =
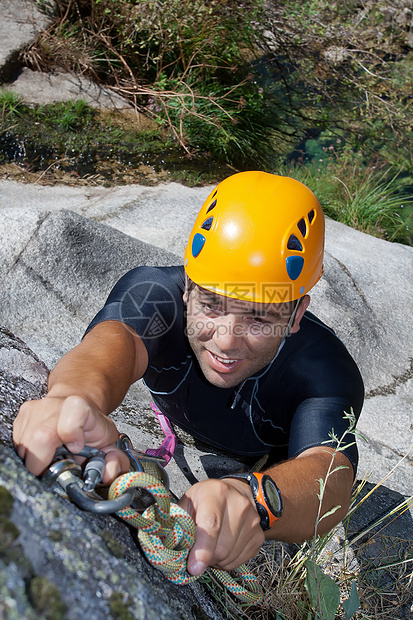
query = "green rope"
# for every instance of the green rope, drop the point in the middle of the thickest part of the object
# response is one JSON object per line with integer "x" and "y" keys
{"x": 166, "y": 534}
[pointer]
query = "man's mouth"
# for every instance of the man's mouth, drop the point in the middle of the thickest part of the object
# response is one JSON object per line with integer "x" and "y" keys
{"x": 224, "y": 360}
{"x": 223, "y": 364}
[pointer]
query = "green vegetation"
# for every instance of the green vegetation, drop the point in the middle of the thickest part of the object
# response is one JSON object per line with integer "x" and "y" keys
{"x": 231, "y": 85}
{"x": 120, "y": 605}
{"x": 6, "y": 502}
{"x": 376, "y": 202}
{"x": 8, "y": 534}
{"x": 247, "y": 80}
{"x": 71, "y": 141}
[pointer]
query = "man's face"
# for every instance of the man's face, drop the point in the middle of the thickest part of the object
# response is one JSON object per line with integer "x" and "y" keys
{"x": 233, "y": 339}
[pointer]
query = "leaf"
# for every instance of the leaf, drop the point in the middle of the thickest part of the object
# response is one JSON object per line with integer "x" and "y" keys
{"x": 322, "y": 485}
{"x": 352, "y": 604}
{"x": 338, "y": 468}
{"x": 323, "y": 591}
{"x": 330, "y": 512}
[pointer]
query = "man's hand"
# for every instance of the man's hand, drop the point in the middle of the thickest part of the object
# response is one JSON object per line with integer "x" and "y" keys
{"x": 41, "y": 426}
{"x": 228, "y": 531}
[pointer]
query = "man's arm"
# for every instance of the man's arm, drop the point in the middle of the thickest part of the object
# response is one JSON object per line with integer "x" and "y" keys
{"x": 298, "y": 480}
{"x": 86, "y": 385}
{"x": 228, "y": 530}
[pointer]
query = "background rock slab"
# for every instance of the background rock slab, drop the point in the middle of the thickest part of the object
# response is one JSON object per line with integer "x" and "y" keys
{"x": 57, "y": 268}
{"x": 21, "y": 21}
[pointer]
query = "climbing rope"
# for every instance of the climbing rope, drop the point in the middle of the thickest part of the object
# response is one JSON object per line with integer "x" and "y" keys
{"x": 166, "y": 534}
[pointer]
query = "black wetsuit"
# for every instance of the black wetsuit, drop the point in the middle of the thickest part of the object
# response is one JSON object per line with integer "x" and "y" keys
{"x": 292, "y": 404}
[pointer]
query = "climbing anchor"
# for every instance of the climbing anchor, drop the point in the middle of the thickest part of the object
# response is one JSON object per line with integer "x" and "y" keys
{"x": 166, "y": 532}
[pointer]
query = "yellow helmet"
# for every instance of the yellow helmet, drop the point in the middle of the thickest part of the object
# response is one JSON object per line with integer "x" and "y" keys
{"x": 258, "y": 237}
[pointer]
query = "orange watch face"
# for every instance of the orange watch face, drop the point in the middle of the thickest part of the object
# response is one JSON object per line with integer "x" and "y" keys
{"x": 268, "y": 495}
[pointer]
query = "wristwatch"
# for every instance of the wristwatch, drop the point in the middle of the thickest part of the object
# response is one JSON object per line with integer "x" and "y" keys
{"x": 266, "y": 495}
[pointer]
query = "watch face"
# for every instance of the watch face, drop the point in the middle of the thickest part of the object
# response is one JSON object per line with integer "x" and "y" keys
{"x": 272, "y": 496}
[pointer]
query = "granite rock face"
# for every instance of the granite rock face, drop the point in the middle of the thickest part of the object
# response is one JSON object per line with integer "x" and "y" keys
{"x": 56, "y": 560}
{"x": 22, "y": 377}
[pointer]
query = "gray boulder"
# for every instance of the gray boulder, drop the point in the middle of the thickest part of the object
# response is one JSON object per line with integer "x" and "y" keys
{"x": 57, "y": 561}
{"x": 21, "y": 21}
{"x": 55, "y": 282}
{"x": 35, "y": 87}
{"x": 23, "y": 376}
{"x": 57, "y": 269}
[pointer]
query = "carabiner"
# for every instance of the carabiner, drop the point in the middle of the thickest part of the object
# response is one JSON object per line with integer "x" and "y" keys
{"x": 68, "y": 475}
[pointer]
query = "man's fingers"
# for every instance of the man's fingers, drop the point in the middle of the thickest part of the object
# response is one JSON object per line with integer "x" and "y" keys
{"x": 214, "y": 538}
{"x": 42, "y": 439}
{"x": 227, "y": 526}
{"x": 202, "y": 552}
{"x": 40, "y": 455}
{"x": 116, "y": 463}
{"x": 43, "y": 425}
{"x": 206, "y": 505}
{"x": 72, "y": 421}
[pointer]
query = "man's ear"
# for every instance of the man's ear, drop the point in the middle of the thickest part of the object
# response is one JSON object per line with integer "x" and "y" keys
{"x": 304, "y": 303}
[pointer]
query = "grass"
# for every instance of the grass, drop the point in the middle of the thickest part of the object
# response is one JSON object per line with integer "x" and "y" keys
{"x": 376, "y": 201}
{"x": 71, "y": 142}
{"x": 245, "y": 80}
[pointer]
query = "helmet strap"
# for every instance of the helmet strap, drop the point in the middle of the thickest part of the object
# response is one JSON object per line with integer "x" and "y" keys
{"x": 291, "y": 320}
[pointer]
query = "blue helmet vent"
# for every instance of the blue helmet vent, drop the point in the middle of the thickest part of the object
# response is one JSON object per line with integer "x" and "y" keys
{"x": 197, "y": 244}
{"x": 294, "y": 266}
{"x": 207, "y": 224}
{"x": 311, "y": 215}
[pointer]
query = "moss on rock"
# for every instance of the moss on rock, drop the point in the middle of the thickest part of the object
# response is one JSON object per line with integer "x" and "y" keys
{"x": 8, "y": 534}
{"x": 115, "y": 547}
{"x": 6, "y": 502}
{"x": 119, "y": 607}
{"x": 46, "y": 599}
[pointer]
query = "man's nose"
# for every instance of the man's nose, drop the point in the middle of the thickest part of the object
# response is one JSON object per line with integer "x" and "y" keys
{"x": 228, "y": 331}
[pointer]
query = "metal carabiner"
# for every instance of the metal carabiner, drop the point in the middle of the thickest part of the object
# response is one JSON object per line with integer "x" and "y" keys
{"x": 80, "y": 484}
{"x": 68, "y": 475}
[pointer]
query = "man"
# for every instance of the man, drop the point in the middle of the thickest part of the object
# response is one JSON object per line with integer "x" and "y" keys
{"x": 230, "y": 354}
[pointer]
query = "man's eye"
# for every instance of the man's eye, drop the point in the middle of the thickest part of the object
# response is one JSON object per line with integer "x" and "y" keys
{"x": 211, "y": 308}
{"x": 259, "y": 319}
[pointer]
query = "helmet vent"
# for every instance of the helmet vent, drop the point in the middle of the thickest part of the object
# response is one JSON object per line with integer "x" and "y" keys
{"x": 311, "y": 215}
{"x": 295, "y": 266}
{"x": 302, "y": 227}
{"x": 294, "y": 244}
{"x": 197, "y": 244}
{"x": 207, "y": 224}
{"x": 212, "y": 206}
